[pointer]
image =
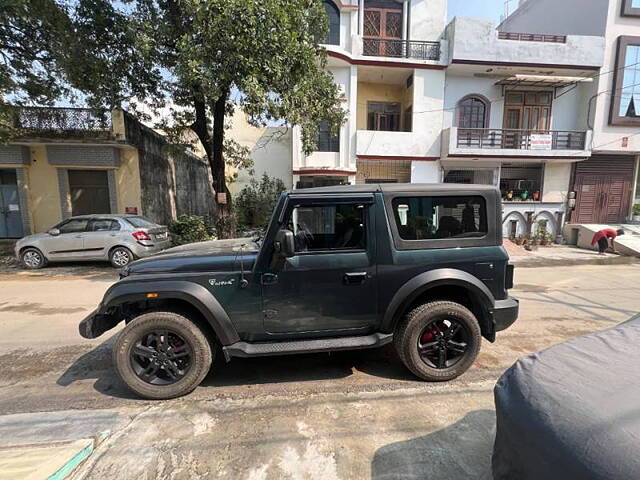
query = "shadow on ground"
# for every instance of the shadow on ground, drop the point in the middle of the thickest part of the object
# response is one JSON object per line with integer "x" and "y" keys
{"x": 383, "y": 363}
{"x": 462, "y": 450}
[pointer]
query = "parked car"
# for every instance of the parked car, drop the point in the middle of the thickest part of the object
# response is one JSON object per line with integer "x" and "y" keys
{"x": 572, "y": 410}
{"x": 119, "y": 239}
{"x": 339, "y": 268}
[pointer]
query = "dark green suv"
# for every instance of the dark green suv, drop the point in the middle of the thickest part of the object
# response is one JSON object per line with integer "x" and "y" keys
{"x": 339, "y": 268}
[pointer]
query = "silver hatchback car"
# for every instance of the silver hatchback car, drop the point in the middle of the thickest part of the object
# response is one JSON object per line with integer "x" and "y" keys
{"x": 119, "y": 239}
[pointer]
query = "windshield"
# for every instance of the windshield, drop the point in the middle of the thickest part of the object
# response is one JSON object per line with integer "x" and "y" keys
{"x": 140, "y": 222}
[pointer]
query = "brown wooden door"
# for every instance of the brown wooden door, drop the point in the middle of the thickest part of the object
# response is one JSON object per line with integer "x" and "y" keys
{"x": 382, "y": 30}
{"x": 603, "y": 189}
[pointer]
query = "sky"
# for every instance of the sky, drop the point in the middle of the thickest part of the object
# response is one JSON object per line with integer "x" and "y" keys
{"x": 488, "y": 9}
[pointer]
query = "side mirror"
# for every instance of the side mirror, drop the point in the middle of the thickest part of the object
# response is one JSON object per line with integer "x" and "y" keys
{"x": 284, "y": 244}
{"x": 54, "y": 232}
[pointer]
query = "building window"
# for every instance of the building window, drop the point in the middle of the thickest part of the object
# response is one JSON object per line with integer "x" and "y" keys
{"x": 426, "y": 218}
{"x": 473, "y": 112}
{"x": 625, "y": 104}
{"x": 521, "y": 183}
{"x": 631, "y": 8}
{"x": 477, "y": 177}
{"x": 327, "y": 140}
{"x": 333, "y": 15}
{"x": 383, "y": 116}
{"x": 327, "y": 228}
{"x": 527, "y": 111}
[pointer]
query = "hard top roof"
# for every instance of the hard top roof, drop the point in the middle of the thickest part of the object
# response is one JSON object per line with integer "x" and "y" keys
{"x": 398, "y": 188}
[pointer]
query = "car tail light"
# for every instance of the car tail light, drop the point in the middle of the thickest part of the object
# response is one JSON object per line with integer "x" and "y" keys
{"x": 141, "y": 235}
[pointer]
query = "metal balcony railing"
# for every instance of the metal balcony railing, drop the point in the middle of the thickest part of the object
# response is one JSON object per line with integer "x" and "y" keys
{"x": 385, "y": 47}
{"x": 494, "y": 139}
{"x": 532, "y": 37}
{"x": 63, "y": 122}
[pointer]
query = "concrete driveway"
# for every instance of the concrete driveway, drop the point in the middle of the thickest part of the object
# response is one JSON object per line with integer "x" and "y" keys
{"x": 345, "y": 415}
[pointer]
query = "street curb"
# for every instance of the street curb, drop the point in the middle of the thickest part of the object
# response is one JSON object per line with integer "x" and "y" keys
{"x": 563, "y": 262}
{"x": 74, "y": 462}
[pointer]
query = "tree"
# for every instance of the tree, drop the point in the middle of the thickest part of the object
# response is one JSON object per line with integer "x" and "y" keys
{"x": 256, "y": 201}
{"x": 264, "y": 52}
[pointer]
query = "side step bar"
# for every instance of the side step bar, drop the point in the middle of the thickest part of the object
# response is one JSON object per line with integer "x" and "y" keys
{"x": 244, "y": 349}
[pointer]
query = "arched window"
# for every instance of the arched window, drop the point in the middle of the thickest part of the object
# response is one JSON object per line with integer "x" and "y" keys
{"x": 333, "y": 14}
{"x": 473, "y": 112}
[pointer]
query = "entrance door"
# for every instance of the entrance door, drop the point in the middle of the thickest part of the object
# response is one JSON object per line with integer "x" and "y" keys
{"x": 89, "y": 191}
{"x": 525, "y": 113}
{"x": 330, "y": 284}
{"x": 603, "y": 188}
{"x": 10, "y": 216}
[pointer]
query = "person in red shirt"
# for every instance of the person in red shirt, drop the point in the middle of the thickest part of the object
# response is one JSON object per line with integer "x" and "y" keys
{"x": 604, "y": 239}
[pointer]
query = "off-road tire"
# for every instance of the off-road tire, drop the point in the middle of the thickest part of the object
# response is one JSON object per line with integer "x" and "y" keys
{"x": 411, "y": 327}
{"x": 33, "y": 253}
{"x": 118, "y": 253}
{"x": 141, "y": 326}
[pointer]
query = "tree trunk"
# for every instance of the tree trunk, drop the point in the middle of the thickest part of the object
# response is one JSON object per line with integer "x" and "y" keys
{"x": 225, "y": 222}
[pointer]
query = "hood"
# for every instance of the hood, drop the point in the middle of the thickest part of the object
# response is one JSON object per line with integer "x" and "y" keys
{"x": 213, "y": 256}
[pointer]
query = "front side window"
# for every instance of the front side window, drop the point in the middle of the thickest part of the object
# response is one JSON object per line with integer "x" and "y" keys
{"x": 625, "y": 100}
{"x": 430, "y": 218}
{"x": 328, "y": 227}
{"x": 74, "y": 225}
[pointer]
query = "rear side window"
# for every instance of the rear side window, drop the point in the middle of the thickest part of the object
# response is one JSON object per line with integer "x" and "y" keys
{"x": 103, "y": 225}
{"x": 140, "y": 222}
{"x": 328, "y": 227}
{"x": 74, "y": 225}
{"x": 429, "y": 218}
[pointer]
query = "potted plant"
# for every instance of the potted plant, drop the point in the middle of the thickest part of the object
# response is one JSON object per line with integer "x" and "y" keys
{"x": 636, "y": 213}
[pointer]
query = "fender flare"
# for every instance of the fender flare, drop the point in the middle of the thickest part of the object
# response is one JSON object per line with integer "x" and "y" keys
{"x": 428, "y": 280}
{"x": 193, "y": 293}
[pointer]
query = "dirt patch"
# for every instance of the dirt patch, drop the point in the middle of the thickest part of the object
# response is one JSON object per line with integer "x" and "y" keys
{"x": 38, "y": 308}
{"x": 19, "y": 365}
{"x": 12, "y": 269}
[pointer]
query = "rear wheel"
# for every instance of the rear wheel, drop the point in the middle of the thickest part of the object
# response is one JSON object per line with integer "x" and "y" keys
{"x": 438, "y": 341}
{"x": 120, "y": 257}
{"x": 32, "y": 258}
{"x": 162, "y": 355}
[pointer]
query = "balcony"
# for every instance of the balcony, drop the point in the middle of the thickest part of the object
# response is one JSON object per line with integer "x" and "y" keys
{"x": 505, "y": 142}
{"x": 392, "y": 144}
{"x": 62, "y": 123}
{"x": 415, "y": 49}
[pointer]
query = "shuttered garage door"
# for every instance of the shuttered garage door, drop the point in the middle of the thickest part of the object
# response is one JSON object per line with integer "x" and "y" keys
{"x": 89, "y": 191}
{"x": 603, "y": 188}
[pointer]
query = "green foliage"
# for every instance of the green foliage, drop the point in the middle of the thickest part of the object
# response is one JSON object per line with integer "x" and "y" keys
{"x": 190, "y": 229}
{"x": 255, "y": 203}
{"x": 636, "y": 209}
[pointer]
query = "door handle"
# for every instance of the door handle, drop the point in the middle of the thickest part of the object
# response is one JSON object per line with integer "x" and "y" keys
{"x": 356, "y": 278}
{"x": 269, "y": 279}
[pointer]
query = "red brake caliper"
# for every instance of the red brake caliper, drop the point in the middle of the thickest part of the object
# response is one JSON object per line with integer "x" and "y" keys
{"x": 429, "y": 335}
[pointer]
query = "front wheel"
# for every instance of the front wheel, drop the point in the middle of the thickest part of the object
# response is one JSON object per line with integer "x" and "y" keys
{"x": 162, "y": 355}
{"x": 32, "y": 258}
{"x": 438, "y": 341}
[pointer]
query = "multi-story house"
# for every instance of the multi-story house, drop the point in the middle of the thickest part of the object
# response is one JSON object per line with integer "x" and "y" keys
{"x": 389, "y": 59}
{"x": 68, "y": 161}
{"x": 605, "y": 186}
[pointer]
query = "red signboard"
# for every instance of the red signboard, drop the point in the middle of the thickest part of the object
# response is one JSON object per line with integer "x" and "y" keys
{"x": 131, "y": 210}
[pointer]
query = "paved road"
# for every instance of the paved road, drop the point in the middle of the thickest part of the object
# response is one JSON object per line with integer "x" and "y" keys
{"x": 345, "y": 415}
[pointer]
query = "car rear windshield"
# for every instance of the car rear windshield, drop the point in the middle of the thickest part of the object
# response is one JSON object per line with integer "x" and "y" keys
{"x": 425, "y": 218}
{"x": 140, "y": 222}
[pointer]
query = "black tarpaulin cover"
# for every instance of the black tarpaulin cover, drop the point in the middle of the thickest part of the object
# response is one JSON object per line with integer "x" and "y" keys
{"x": 572, "y": 411}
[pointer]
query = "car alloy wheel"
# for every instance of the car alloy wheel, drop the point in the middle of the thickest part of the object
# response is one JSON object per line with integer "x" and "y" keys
{"x": 161, "y": 357}
{"x": 443, "y": 343}
{"x": 32, "y": 259}
{"x": 120, "y": 258}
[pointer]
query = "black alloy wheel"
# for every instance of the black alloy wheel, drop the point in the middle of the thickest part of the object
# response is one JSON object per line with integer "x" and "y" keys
{"x": 443, "y": 343}
{"x": 161, "y": 357}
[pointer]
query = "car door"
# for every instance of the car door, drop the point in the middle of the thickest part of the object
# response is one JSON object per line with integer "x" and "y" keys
{"x": 329, "y": 285}
{"x": 101, "y": 235}
{"x": 69, "y": 243}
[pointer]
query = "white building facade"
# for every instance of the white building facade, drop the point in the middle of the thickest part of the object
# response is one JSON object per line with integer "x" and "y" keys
{"x": 520, "y": 106}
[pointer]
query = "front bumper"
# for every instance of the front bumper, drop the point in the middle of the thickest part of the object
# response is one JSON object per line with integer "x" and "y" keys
{"x": 505, "y": 313}
{"x": 96, "y": 323}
